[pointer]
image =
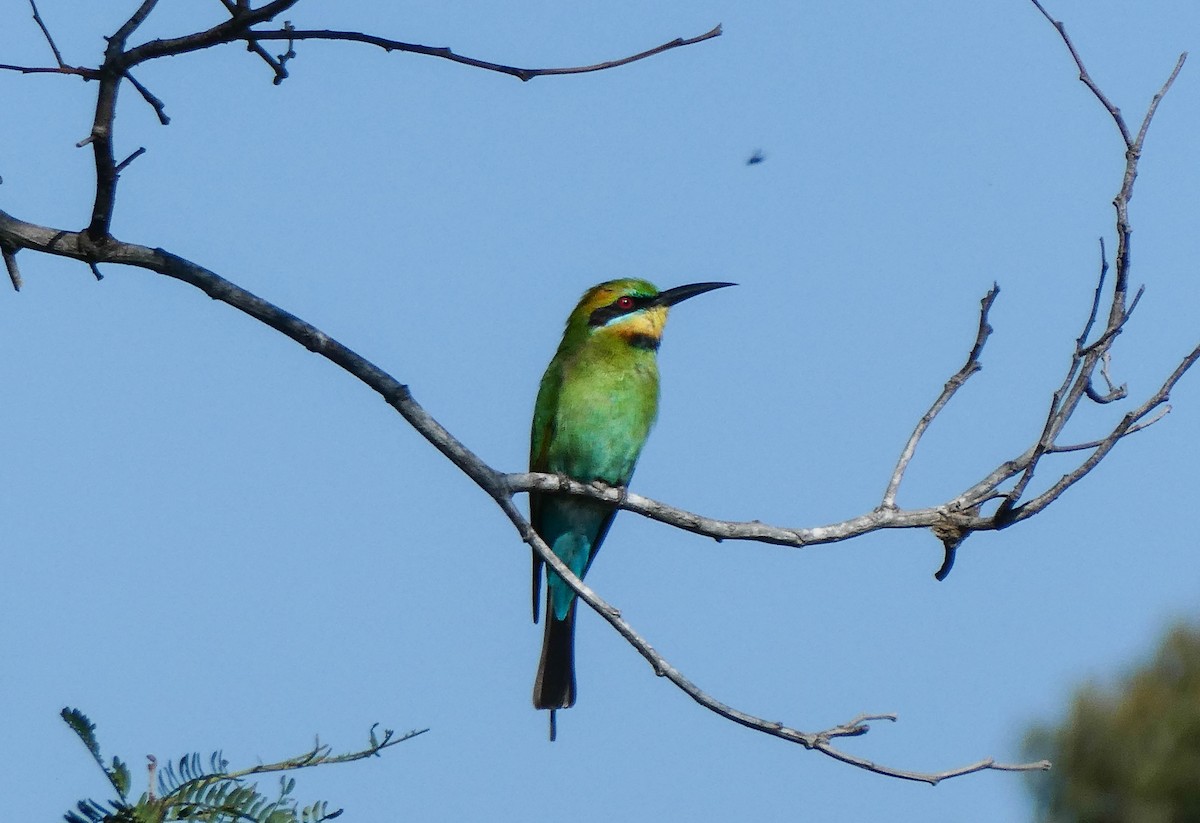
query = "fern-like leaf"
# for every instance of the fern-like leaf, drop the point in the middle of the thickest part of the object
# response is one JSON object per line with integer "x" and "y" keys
{"x": 119, "y": 775}
{"x": 91, "y": 811}
{"x": 318, "y": 812}
{"x": 85, "y": 729}
{"x": 191, "y": 789}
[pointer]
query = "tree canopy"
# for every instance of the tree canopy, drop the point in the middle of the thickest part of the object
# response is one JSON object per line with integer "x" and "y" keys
{"x": 1131, "y": 752}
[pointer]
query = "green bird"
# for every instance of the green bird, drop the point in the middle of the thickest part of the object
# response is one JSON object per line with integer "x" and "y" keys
{"x": 596, "y": 404}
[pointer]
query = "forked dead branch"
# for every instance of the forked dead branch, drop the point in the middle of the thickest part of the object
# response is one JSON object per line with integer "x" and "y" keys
{"x": 997, "y": 500}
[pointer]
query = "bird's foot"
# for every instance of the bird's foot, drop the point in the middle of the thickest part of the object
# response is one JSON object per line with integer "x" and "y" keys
{"x": 622, "y": 491}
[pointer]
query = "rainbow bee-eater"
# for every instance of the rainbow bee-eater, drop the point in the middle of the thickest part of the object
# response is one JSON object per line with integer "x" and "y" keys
{"x": 596, "y": 404}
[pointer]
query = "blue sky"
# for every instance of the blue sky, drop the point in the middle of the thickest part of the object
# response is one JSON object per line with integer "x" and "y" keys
{"x": 214, "y": 539}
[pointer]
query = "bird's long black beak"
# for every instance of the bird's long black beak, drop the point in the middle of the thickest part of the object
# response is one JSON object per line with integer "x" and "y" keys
{"x": 680, "y": 293}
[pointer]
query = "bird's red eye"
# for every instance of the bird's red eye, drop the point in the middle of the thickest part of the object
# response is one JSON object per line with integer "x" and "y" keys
{"x": 625, "y": 302}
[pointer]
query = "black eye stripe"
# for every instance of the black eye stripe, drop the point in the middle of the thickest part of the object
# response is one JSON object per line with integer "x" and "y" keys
{"x": 612, "y": 311}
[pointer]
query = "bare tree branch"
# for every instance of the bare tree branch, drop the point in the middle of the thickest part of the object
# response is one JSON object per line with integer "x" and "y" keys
{"x": 111, "y": 72}
{"x": 1078, "y": 382}
{"x": 155, "y": 103}
{"x": 951, "y": 521}
{"x": 1125, "y": 427}
{"x": 10, "y": 264}
{"x": 37, "y": 18}
{"x": 118, "y": 61}
{"x": 753, "y": 530}
{"x": 292, "y": 35}
{"x": 1092, "y": 444}
{"x": 254, "y": 47}
{"x": 1084, "y": 77}
{"x": 499, "y": 486}
{"x": 1154, "y": 101}
{"x": 238, "y": 28}
{"x": 78, "y": 71}
{"x": 320, "y": 754}
{"x": 133, "y": 156}
{"x": 1097, "y": 296}
{"x": 131, "y": 25}
{"x": 952, "y": 386}
{"x": 61, "y": 67}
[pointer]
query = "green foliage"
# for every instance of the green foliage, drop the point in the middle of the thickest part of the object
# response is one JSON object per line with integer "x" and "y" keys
{"x": 89, "y": 811}
{"x": 220, "y": 797}
{"x": 118, "y": 772}
{"x": 1130, "y": 754}
{"x": 193, "y": 789}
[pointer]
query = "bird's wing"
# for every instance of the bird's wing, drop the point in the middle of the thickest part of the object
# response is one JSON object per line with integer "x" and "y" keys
{"x": 601, "y": 533}
{"x": 540, "y": 437}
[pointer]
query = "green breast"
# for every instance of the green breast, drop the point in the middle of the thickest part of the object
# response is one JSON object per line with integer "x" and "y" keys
{"x": 605, "y": 407}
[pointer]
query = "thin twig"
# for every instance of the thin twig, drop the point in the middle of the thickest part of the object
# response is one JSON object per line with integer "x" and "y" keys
{"x": 1093, "y": 444}
{"x": 78, "y": 71}
{"x": 37, "y": 18}
{"x": 282, "y": 59}
{"x": 934, "y": 778}
{"x": 116, "y": 66}
{"x": 1081, "y": 341}
{"x": 948, "y": 391}
{"x": 1137, "y": 298}
{"x": 10, "y": 263}
{"x": 154, "y": 102}
{"x": 236, "y": 10}
{"x": 447, "y": 54}
{"x": 1086, "y": 78}
{"x": 118, "y": 62}
{"x": 134, "y": 156}
{"x": 319, "y": 755}
{"x": 1113, "y": 388}
{"x": 1154, "y": 101}
{"x": 1114, "y": 394}
{"x": 1118, "y": 433}
{"x": 135, "y": 20}
{"x": 1079, "y": 382}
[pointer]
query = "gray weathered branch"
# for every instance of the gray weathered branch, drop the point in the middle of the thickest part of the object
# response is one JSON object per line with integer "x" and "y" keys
{"x": 952, "y": 521}
{"x": 499, "y": 486}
